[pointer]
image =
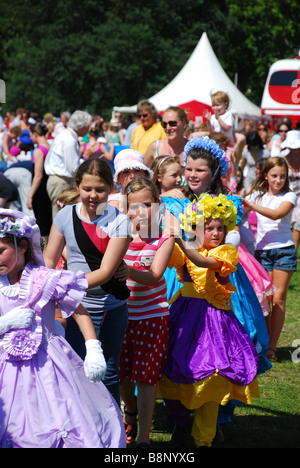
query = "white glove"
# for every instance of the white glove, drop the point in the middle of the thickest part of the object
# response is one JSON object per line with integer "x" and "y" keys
{"x": 19, "y": 317}
{"x": 94, "y": 363}
{"x": 233, "y": 238}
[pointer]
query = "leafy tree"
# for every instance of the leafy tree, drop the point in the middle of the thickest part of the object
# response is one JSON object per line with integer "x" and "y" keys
{"x": 64, "y": 55}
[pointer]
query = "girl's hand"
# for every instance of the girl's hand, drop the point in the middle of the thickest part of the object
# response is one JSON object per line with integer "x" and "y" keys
{"x": 173, "y": 193}
{"x": 19, "y": 317}
{"x": 246, "y": 205}
{"x": 122, "y": 272}
{"x": 94, "y": 363}
{"x": 207, "y": 114}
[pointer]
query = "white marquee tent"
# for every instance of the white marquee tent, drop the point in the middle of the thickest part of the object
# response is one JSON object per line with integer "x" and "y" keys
{"x": 192, "y": 87}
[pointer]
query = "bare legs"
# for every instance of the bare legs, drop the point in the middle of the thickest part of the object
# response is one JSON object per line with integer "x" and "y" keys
{"x": 281, "y": 280}
{"x": 143, "y": 405}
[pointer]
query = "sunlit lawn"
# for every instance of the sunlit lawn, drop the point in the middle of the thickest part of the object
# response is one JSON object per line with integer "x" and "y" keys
{"x": 273, "y": 421}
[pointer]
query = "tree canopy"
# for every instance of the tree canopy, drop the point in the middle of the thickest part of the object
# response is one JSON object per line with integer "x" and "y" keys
{"x": 67, "y": 55}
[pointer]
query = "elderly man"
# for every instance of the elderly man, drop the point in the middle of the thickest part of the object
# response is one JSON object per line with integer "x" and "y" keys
{"x": 63, "y": 158}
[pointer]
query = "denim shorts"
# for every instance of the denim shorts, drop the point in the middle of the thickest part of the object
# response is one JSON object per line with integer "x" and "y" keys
{"x": 283, "y": 258}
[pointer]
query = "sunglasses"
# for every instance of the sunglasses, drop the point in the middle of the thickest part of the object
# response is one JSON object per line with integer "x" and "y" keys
{"x": 171, "y": 123}
{"x": 142, "y": 115}
{"x": 282, "y": 131}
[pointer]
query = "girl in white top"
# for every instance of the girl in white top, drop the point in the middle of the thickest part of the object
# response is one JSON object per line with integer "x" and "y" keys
{"x": 273, "y": 202}
{"x": 222, "y": 120}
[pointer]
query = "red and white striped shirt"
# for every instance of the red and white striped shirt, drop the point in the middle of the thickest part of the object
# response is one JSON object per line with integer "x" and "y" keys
{"x": 145, "y": 301}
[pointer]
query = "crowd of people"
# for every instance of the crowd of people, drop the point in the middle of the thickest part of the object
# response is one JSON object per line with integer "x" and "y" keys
{"x": 140, "y": 258}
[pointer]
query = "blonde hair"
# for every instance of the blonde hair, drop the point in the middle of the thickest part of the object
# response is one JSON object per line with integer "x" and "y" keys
{"x": 221, "y": 139}
{"x": 67, "y": 197}
{"x": 261, "y": 184}
{"x": 159, "y": 166}
{"x": 141, "y": 183}
{"x": 220, "y": 96}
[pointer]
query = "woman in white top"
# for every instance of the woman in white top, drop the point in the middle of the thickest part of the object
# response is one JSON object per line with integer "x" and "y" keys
{"x": 274, "y": 146}
{"x": 273, "y": 202}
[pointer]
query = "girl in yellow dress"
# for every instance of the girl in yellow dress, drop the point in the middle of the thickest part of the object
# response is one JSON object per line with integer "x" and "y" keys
{"x": 211, "y": 358}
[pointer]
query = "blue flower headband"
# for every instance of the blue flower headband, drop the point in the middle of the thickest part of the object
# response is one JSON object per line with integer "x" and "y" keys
{"x": 208, "y": 145}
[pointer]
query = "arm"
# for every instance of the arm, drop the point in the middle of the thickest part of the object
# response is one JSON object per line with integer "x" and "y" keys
{"x": 223, "y": 125}
{"x": 85, "y": 323}
{"x": 283, "y": 209}
{"x": 38, "y": 176}
{"x": 109, "y": 155}
{"x": 207, "y": 115}
{"x": 158, "y": 267}
{"x": 196, "y": 257}
{"x": 54, "y": 247}
{"x": 121, "y": 135}
{"x": 94, "y": 362}
{"x": 173, "y": 193}
{"x": 5, "y": 144}
{"x": 115, "y": 251}
{"x": 150, "y": 154}
{"x": 71, "y": 156}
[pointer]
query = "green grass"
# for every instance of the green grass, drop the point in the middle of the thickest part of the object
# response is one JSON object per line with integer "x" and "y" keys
{"x": 273, "y": 421}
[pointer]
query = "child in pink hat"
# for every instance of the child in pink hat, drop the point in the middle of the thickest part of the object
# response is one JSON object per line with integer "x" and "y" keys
{"x": 128, "y": 164}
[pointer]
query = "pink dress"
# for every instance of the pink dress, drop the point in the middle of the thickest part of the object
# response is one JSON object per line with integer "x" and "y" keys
{"x": 258, "y": 277}
{"x": 46, "y": 401}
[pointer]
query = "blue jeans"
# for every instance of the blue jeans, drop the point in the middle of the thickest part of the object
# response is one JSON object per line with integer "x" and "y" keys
{"x": 284, "y": 258}
{"x": 111, "y": 334}
{"x": 110, "y": 330}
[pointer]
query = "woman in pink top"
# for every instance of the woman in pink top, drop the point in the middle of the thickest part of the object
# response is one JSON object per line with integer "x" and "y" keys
{"x": 144, "y": 346}
{"x": 38, "y": 199}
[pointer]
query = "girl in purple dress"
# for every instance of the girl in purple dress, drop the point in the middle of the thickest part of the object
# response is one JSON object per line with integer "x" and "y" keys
{"x": 211, "y": 358}
{"x": 49, "y": 397}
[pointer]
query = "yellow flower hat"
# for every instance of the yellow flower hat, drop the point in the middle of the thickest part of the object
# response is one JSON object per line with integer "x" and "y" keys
{"x": 209, "y": 206}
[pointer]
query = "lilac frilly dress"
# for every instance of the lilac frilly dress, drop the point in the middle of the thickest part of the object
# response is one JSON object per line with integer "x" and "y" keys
{"x": 46, "y": 401}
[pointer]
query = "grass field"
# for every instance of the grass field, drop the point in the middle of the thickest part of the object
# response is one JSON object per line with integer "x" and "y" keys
{"x": 273, "y": 421}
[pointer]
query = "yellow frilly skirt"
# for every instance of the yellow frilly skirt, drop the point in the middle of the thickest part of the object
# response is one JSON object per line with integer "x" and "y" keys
{"x": 215, "y": 388}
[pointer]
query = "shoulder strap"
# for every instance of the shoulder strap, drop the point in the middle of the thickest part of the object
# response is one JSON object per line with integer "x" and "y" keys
{"x": 94, "y": 256}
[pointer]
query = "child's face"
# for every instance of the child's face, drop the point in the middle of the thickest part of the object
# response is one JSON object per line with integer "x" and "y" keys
{"x": 218, "y": 107}
{"x": 213, "y": 233}
{"x": 276, "y": 179}
{"x": 171, "y": 178}
{"x": 197, "y": 174}
{"x": 128, "y": 174}
{"x": 140, "y": 206}
{"x": 93, "y": 191}
{"x": 9, "y": 261}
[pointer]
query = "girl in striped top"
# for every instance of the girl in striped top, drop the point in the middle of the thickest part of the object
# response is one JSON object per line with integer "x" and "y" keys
{"x": 145, "y": 343}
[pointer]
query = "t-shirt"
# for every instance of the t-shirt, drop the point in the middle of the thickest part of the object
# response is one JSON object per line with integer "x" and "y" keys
{"x": 145, "y": 301}
{"x": 273, "y": 234}
{"x": 228, "y": 119}
{"x": 142, "y": 138}
{"x": 63, "y": 158}
{"x": 111, "y": 224}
